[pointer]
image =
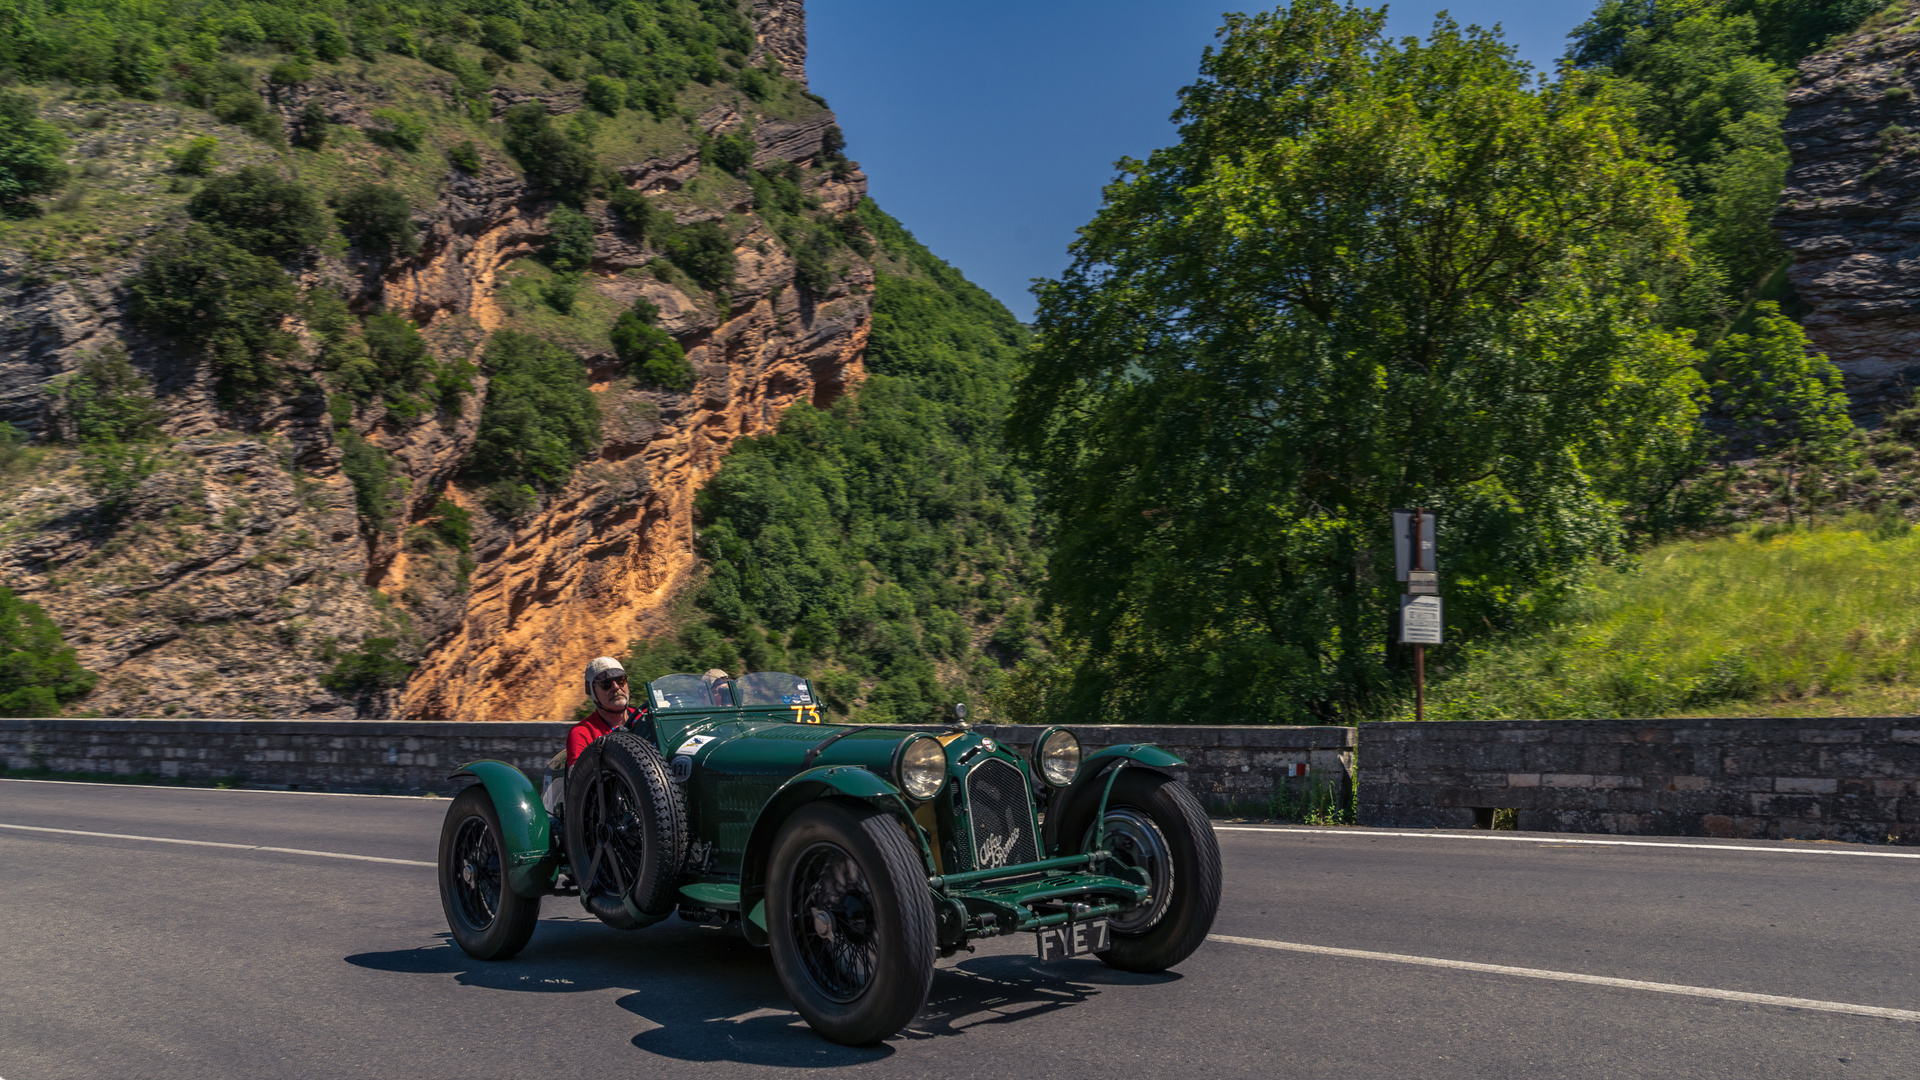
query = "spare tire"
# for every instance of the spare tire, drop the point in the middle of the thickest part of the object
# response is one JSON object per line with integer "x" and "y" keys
{"x": 626, "y": 831}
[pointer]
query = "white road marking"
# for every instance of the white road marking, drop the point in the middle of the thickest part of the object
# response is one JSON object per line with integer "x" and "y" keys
{"x": 1362, "y": 834}
{"x": 216, "y": 843}
{"x": 245, "y": 790}
{"x": 1907, "y": 1015}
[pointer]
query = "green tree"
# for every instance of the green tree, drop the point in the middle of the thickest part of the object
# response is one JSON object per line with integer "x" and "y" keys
{"x": 1782, "y": 394}
{"x": 260, "y": 212}
{"x": 203, "y": 289}
{"x": 551, "y": 160}
{"x": 607, "y": 95}
{"x": 379, "y": 220}
{"x": 1371, "y": 274}
{"x": 30, "y": 151}
{"x": 38, "y": 670}
{"x": 570, "y": 245}
{"x": 106, "y": 400}
{"x": 539, "y": 419}
{"x": 650, "y": 353}
{"x": 704, "y": 251}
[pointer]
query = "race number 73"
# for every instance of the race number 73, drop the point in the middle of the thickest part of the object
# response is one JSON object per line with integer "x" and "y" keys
{"x": 806, "y": 714}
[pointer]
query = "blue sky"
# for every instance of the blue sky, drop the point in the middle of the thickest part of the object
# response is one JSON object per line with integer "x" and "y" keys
{"x": 989, "y": 127}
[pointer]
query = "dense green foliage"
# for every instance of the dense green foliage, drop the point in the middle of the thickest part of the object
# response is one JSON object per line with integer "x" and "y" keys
{"x": 261, "y": 213}
{"x": 369, "y": 669}
{"x": 649, "y": 353}
{"x": 704, "y": 252}
{"x": 225, "y": 302}
{"x": 379, "y": 221}
{"x": 29, "y": 154}
{"x": 377, "y": 483}
{"x": 650, "y": 45}
{"x": 1370, "y": 275}
{"x": 876, "y": 544}
{"x": 105, "y": 400}
{"x": 38, "y": 670}
{"x": 551, "y": 159}
{"x": 540, "y": 418}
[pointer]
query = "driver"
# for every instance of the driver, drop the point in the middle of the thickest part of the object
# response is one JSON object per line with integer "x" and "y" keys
{"x": 606, "y": 685}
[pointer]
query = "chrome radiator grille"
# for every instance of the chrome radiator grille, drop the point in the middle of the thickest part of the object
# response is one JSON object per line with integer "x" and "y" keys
{"x": 1000, "y": 809}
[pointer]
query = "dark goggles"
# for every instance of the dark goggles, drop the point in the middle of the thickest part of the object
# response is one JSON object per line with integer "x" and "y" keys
{"x": 605, "y": 681}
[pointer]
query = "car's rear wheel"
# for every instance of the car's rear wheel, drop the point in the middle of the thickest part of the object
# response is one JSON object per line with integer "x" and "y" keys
{"x": 626, "y": 831}
{"x": 1156, "y": 826}
{"x": 850, "y": 921}
{"x": 488, "y": 919}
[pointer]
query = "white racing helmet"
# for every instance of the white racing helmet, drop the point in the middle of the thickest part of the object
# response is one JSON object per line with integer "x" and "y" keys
{"x": 599, "y": 668}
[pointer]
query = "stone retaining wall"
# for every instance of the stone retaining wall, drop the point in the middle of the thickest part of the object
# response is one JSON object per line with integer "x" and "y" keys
{"x": 1230, "y": 767}
{"x": 1854, "y": 779}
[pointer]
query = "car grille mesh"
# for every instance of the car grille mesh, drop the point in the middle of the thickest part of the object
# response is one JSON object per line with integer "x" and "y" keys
{"x": 1001, "y": 810}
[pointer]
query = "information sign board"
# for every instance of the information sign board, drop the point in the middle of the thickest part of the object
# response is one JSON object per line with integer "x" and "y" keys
{"x": 1420, "y": 620}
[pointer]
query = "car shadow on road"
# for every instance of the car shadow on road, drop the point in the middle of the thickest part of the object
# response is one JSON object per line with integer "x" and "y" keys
{"x": 1006, "y": 989}
{"x": 711, "y": 997}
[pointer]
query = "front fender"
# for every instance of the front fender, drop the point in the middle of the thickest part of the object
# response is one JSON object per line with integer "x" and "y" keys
{"x": 524, "y": 826}
{"x": 1089, "y": 782}
{"x": 823, "y": 782}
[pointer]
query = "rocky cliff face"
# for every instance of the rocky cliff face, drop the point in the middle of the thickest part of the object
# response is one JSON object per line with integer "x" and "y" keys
{"x": 237, "y": 573}
{"x": 1851, "y": 209}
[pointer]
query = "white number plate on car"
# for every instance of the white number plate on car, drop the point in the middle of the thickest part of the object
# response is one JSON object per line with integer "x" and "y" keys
{"x": 1076, "y": 939}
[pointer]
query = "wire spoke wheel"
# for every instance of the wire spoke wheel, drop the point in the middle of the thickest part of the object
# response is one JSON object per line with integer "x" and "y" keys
{"x": 488, "y": 919}
{"x": 625, "y": 831}
{"x": 833, "y": 922}
{"x": 613, "y": 826}
{"x": 478, "y": 876}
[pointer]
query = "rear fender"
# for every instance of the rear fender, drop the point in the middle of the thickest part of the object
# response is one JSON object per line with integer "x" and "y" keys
{"x": 1089, "y": 783}
{"x": 531, "y": 860}
{"x": 828, "y": 781}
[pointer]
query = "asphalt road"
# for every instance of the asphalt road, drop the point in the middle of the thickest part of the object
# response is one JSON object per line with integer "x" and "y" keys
{"x": 136, "y": 958}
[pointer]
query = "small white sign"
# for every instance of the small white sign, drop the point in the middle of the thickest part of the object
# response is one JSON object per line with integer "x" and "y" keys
{"x": 1420, "y": 620}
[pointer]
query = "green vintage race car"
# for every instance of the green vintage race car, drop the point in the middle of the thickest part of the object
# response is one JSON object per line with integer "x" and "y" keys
{"x": 856, "y": 852}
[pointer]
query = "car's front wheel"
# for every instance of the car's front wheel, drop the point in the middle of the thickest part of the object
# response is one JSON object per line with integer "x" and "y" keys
{"x": 850, "y": 921}
{"x": 1156, "y": 829}
{"x": 488, "y": 919}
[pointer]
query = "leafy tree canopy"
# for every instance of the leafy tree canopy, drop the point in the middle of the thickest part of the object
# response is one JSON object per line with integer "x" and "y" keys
{"x": 29, "y": 153}
{"x": 540, "y": 418}
{"x": 260, "y": 212}
{"x": 1371, "y": 274}
{"x": 38, "y": 670}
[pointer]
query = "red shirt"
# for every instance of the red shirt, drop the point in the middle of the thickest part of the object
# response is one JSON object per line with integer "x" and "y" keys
{"x": 593, "y": 727}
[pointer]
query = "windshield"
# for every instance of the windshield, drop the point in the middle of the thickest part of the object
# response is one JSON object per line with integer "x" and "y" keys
{"x": 773, "y": 688}
{"x": 707, "y": 691}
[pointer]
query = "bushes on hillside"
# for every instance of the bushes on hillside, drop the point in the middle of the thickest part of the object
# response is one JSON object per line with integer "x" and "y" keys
{"x": 260, "y": 212}
{"x": 650, "y": 355}
{"x": 379, "y": 221}
{"x": 539, "y": 419}
{"x": 704, "y": 252}
{"x": 30, "y": 150}
{"x": 206, "y": 290}
{"x": 551, "y": 160}
{"x": 38, "y": 671}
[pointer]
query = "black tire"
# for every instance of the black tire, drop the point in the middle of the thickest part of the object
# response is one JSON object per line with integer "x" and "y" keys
{"x": 850, "y": 921}
{"x": 489, "y": 920}
{"x": 626, "y": 830}
{"x": 1154, "y": 821}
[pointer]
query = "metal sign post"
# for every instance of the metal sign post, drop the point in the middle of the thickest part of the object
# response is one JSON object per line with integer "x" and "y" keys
{"x": 1416, "y": 561}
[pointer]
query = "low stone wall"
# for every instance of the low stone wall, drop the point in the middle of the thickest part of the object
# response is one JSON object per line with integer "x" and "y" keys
{"x": 307, "y": 754}
{"x": 1854, "y": 779}
{"x": 1229, "y": 767}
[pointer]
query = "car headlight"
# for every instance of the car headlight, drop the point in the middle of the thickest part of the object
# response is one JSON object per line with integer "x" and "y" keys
{"x": 1056, "y": 756}
{"x": 921, "y": 767}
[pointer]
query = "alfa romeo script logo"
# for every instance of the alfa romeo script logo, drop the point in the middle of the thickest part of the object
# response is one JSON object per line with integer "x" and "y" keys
{"x": 994, "y": 851}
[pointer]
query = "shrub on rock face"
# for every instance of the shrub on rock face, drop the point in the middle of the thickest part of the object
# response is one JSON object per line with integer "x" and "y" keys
{"x": 203, "y": 289}
{"x": 539, "y": 419}
{"x": 704, "y": 252}
{"x": 37, "y": 670}
{"x": 369, "y": 669}
{"x": 260, "y": 212}
{"x": 379, "y": 220}
{"x": 650, "y": 353}
{"x": 29, "y": 154}
{"x": 607, "y": 95}
{"x": 638, "y": 217}
{"x": 550, "y": 159}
